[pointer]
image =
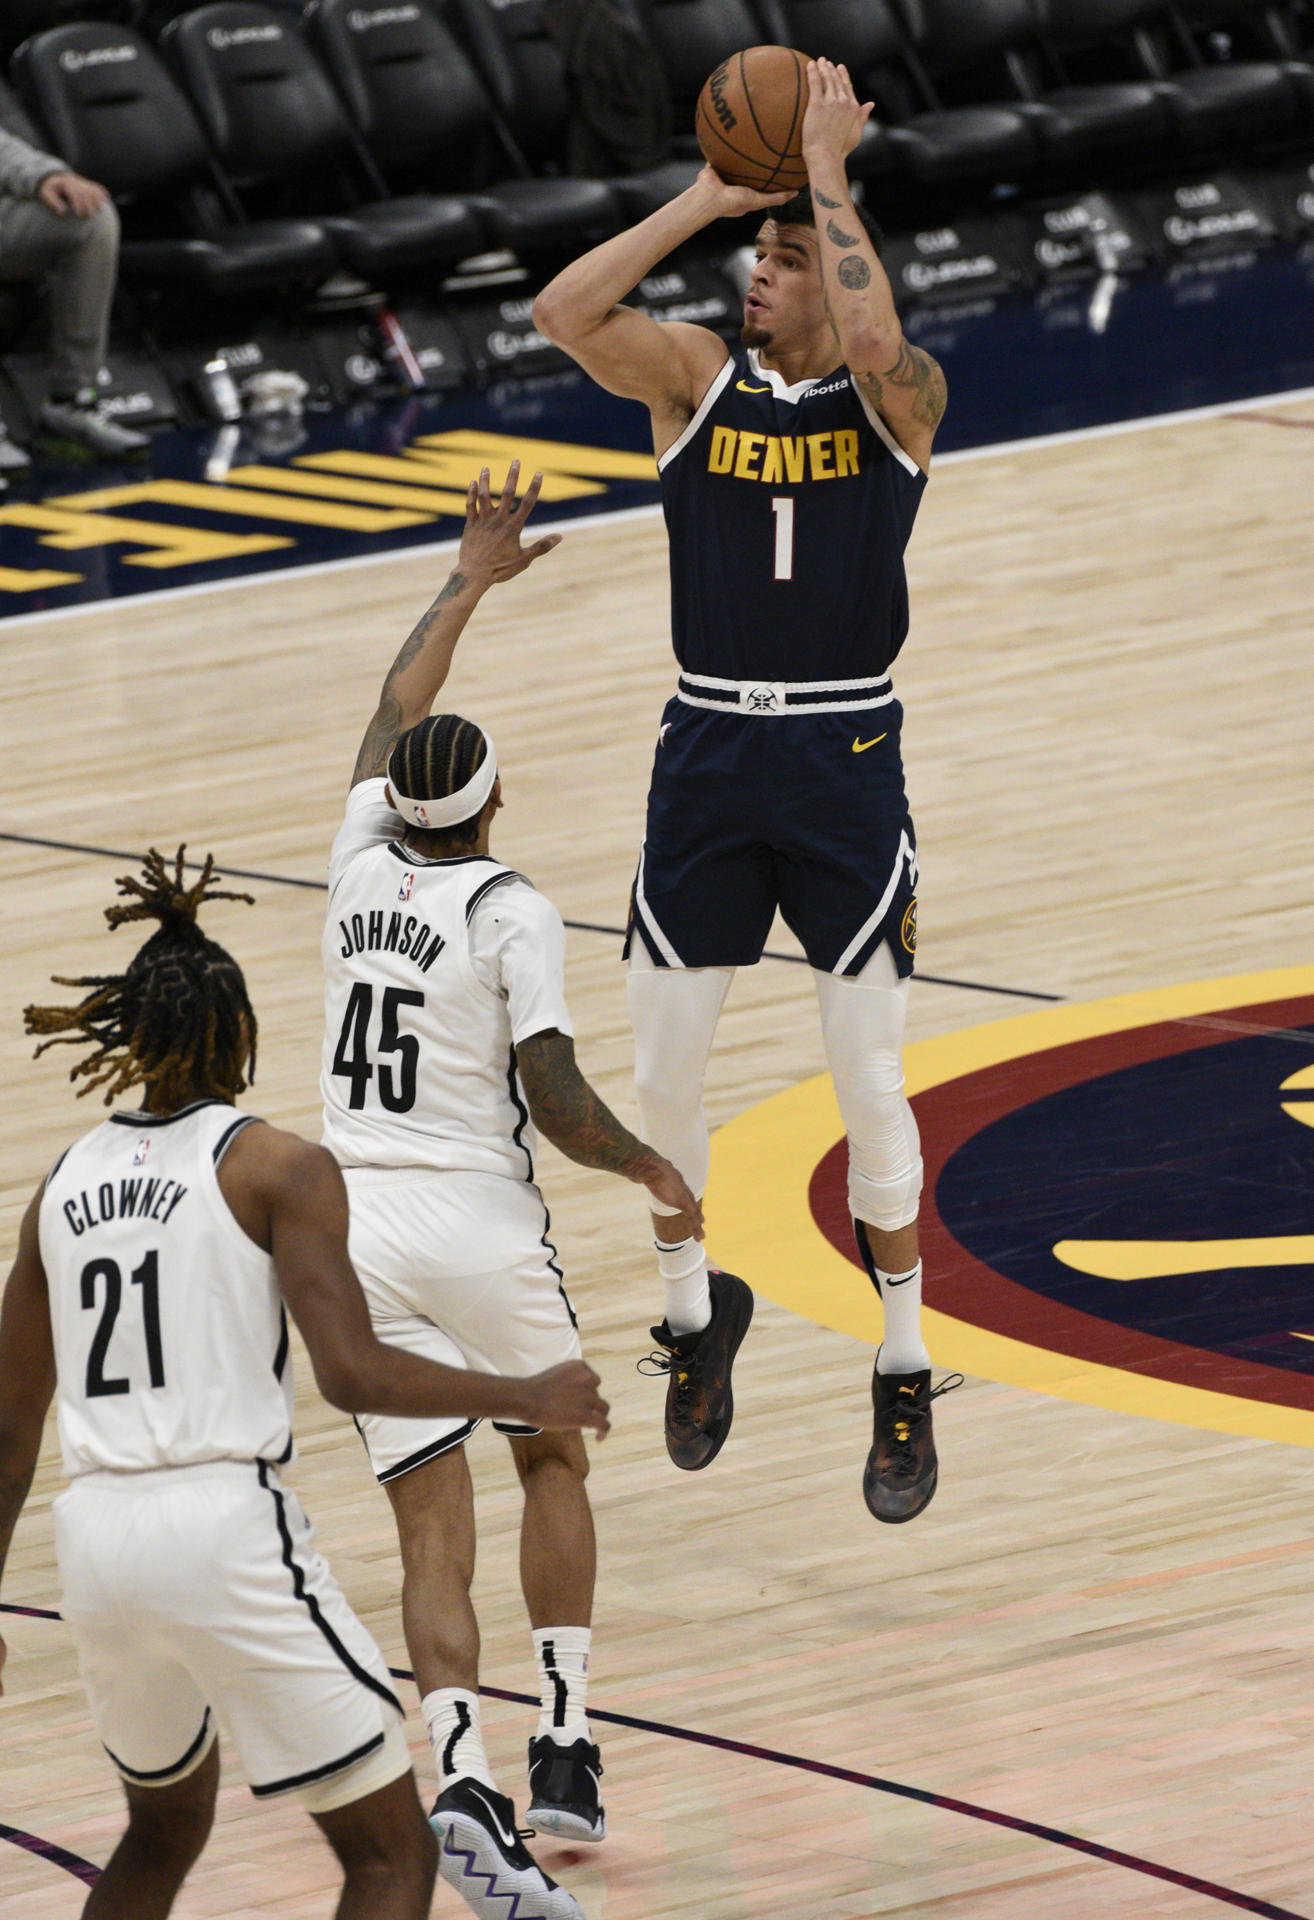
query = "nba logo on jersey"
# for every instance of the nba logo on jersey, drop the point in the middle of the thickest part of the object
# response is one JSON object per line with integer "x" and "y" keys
{"x": 143, "y": 1148}
{"x": 404, "y": 890}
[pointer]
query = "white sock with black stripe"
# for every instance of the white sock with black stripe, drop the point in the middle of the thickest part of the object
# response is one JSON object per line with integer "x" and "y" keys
{"x": 451, "y": 1715}
{"x": 683, "y": 1267}
{"x": 563, "y": 1679}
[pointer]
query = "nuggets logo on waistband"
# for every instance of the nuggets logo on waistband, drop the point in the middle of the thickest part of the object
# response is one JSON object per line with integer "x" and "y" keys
{"x": 908, "y": 931}
{"x": 777, "y": 457}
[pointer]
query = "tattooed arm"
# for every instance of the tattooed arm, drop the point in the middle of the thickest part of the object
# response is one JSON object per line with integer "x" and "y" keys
{"x": 27, "y": 1378}
{"x": 567, "y": 1111}
{"x": 900, "y": 382}
{"x": 490, "y": 552}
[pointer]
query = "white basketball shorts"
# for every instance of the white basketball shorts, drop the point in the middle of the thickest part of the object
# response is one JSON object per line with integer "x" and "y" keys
{"x": 195, "y": 1593}
{"x": 457, "y": 1267}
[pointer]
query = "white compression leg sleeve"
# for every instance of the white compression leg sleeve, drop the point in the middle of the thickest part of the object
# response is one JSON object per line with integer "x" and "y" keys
{"x": 674, "y": 1011}
{"x": 862, "y": 1024}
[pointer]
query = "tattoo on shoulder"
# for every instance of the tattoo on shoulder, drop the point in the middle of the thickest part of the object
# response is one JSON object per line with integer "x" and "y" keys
{"x": 822, "y": 201}
{"x": 915, "y": 369}
{"x": 838, "y": 235}
{"x": 854, "y": 274}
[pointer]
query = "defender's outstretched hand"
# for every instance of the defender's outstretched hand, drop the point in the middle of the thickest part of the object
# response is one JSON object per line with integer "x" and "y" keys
{"x": 566, "y": 1396}
{"x": 490, "y": 545}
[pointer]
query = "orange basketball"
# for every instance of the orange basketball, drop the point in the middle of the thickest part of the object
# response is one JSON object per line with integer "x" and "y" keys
{"x": 749, "y": 120}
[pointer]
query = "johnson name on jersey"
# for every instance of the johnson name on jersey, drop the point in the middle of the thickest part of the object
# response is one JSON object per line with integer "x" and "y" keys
{"x": 433, "y": 971}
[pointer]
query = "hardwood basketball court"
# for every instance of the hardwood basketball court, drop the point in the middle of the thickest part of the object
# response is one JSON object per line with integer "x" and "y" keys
{"x": 1101, "y": 1628}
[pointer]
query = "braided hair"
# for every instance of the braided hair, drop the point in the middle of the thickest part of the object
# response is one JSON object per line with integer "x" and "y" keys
{"x": 438, "y": 757}
{"x": 179, "y": 1015}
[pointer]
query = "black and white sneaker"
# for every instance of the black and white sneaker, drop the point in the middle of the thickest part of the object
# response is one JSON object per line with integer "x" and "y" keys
{"x": 483, "y": 1857}
{"x": 563, "y": 1790}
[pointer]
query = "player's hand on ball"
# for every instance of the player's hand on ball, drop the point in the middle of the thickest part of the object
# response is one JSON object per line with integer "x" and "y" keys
{"x": 833, "y": 123}
{"x": 566, "y": 1396}
{"x": 732, "y": 201}
{"x": 490, "y": 546}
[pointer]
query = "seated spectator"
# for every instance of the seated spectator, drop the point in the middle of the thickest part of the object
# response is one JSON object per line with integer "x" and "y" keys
{"x": 58, "y": 228}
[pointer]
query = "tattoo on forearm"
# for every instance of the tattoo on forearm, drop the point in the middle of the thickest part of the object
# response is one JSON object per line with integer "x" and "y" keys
{"x": 854, "y": 274}
{"x": 822, "y": 201}
{"x": 836, "y": 233}
{"x": 566, "y": 1109}
{"x": 385, "y": 728}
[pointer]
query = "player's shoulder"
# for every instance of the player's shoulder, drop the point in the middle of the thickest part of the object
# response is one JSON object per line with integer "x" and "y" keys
{"x": 269, "y": 1158}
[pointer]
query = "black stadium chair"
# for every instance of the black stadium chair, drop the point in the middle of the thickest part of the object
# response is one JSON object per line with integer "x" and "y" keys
{"x": 114, "y": 113}
{"x": 528, "y": 75}
{"x": 994, "y": 51}
{"x": 1222, "y": 109}
{"x": 426, "y": 117}
{"x": 281, "y": 136}
{"x": 934, "y": 148}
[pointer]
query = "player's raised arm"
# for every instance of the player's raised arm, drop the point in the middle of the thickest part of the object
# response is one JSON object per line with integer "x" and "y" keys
{"x": 899, "y": 381}
{"x": 490, "y": 552}
{"x": 668, "y": 365}
{"x": 27, "y": 1379}
{"x": 292, "y": 1195}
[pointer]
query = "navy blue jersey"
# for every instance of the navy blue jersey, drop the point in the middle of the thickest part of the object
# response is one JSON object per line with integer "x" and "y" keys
{"x": 788, "y": 509}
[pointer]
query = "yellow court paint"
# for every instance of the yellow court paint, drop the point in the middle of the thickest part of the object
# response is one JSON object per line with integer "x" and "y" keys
{"x": 760, "y": 1224}
{"x": 1156, "y": 1259}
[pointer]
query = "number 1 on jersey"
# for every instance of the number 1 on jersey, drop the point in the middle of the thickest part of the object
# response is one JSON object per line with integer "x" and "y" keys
{"x": 782, "y": 505}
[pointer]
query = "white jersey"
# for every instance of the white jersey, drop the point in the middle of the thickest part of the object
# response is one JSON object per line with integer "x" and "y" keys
{"x": 434, "y": 970}
{"x": 171, "y": 1342}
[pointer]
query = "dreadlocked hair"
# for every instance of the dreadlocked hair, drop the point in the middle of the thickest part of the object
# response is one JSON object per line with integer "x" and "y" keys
{"x": 437, "y": 758}
{"x": 178, "y": 1015}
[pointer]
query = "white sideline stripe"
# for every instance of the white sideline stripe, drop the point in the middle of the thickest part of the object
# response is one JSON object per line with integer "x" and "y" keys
{"x": 1184, "y": 417}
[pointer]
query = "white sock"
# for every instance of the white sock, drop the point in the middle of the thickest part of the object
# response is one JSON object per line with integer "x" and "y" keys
{"x": 563, "y": 1682}
{"x": 452, "y": 1716}
{"x": 902, "y": 1347}
{"x": 683, "y": 1268}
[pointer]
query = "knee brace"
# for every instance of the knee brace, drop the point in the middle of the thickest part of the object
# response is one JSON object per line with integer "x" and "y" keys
{"x": 862, "y": 1024}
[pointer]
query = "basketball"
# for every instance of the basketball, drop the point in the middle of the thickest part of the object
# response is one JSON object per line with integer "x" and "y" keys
{"x": 749, "y": 120}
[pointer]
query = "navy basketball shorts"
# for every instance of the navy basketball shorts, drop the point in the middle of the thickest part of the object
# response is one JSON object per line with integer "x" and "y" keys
{"x": 804, "y": 812}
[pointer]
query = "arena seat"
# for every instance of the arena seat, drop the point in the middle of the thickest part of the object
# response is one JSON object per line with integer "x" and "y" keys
{"x": 1222, "y": 109}
{"x": 114, "y": 113}
{"x": 932, "y": 147}
{"x": 279, "y": 131}
{"x": 417, "y": 101}
{"x": 993, "y": 52}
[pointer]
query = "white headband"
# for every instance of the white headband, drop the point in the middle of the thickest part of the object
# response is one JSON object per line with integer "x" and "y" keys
{"x": 455, "y": 807}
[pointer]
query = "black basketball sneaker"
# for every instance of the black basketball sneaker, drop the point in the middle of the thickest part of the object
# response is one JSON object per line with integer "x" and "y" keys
{"x": 902, "y": 1468}
{"x": 563, "y": 1790}
{"x": 699, "y": 1401}
{"x": 481, "y": 1855}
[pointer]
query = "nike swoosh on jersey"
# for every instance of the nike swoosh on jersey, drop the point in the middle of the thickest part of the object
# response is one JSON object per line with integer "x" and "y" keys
{"x": 507, "y": 1839}
{"x": 861, "y": 746}
{"x": 744, "y": 387}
